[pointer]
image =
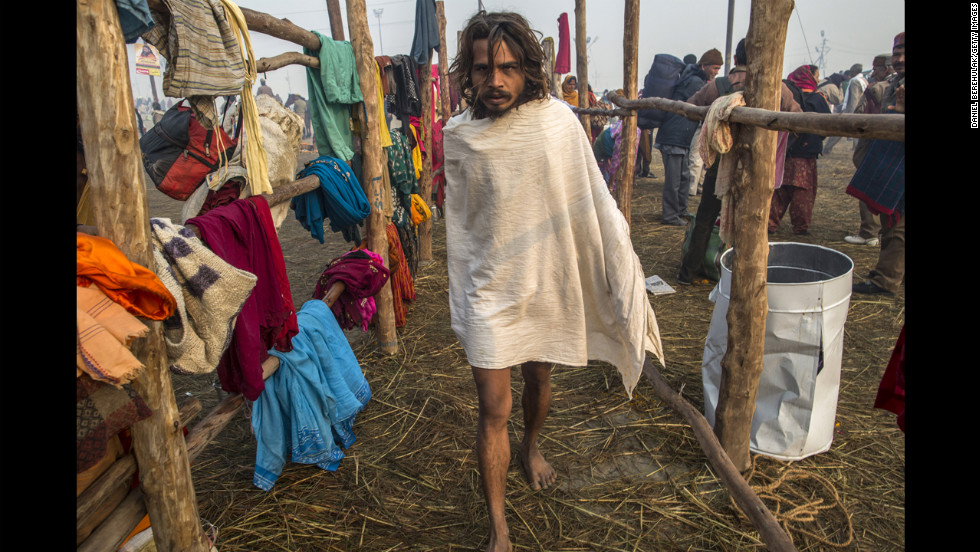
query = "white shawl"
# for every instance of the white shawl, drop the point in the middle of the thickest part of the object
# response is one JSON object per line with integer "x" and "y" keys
{"x": 541, "y": 267}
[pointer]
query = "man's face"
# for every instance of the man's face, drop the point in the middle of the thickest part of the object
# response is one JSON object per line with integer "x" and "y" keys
{"x": 898, "y": 59}
{"x": 879, "y": 72}
{"x": 711, "y": 70}
{"x": 497, "y": 87}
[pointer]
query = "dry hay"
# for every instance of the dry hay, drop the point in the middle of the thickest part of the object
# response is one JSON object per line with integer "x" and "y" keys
{"x": 632, "y": 476}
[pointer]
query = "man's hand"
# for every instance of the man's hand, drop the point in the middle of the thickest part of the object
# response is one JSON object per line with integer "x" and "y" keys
{"x": 899, "y": 106}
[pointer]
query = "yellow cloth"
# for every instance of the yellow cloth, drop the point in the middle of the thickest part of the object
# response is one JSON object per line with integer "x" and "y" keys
{"x": 105, "y": 331}
{"x": 382, "y": 123}
{"x": 419, "y": 210}
{"x": 416, "y": 153}
{"x": 715, "y": 138}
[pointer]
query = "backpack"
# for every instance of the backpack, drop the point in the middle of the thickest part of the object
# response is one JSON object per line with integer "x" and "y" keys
{"x": 178, "y": 153}
{"x": 659, "y": 83}
{"x": 806, "y": 145}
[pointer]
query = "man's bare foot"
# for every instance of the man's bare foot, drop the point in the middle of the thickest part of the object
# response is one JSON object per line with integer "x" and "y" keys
{"x": 539, "y": 472}
{"x": 499, "y": 542}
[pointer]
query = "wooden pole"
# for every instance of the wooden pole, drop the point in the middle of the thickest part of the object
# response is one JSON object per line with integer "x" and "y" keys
{"x": 756, "y": 151}
{"x": 425, "y": 180}
{"x": 120, "y": 209}
{"x": 360, "y": 38}
{"x": 728, "y": 35}
{"x": 336, "y": 21}
{"x": 582, "y": 65}
{"x": 624, "y": 175}
{"x": 446, "y": 110}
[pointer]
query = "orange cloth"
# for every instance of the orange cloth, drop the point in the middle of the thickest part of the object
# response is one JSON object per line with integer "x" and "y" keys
{"x": 136, "y": 288}
{"x": 105, "y": 331}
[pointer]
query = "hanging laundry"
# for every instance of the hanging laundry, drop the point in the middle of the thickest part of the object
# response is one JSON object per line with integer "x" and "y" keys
{"x": 363, "y": 274}
{"x": 402, "y": 286}
{"x": 136, "y": 288}
{"x": 333, "y": 87}
{"x": 382, "y": 116}
{"x": 105, "y": 332}
{"x": 209, "y": 293}
{"x": 563, "y": 61}
{"x": 203, "y": 56}
{"x": 134, "y": 19}
{"x": 404, "y": 183}
{"x": 408, "y": 102}
{"x": 339, "y": 198}
{"x": 426, "y": 36}
{"x": 101, "y": 412}
{"x": 306, "y": 415}
{"x": 242, "y": 233}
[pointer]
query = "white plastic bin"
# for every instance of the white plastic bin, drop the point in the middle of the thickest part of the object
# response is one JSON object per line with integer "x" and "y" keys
{"x": 808, "y": 288}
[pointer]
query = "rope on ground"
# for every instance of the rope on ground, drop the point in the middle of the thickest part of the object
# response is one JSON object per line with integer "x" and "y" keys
{"x": 800, "y": 509}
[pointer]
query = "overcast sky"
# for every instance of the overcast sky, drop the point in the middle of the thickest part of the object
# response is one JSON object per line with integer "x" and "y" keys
{"x": 846, "y": 31}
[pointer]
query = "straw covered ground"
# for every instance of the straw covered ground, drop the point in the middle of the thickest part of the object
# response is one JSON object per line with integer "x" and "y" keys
{"x": 632, "y": 475}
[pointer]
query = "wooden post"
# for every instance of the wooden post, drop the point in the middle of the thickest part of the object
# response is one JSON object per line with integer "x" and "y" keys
{"x": 425, "y": 180}
{"x": 624, "y": 175}
{"x": 755, "y": 147}
{"x": 582, "y": 65}
{"x": 360, "y": 38}
{"x": 336, "y": 22}
{"x": 446, "y": 111}
{"x": 119, "y": 204}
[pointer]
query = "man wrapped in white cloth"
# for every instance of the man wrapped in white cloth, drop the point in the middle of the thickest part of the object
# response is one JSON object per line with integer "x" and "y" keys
{"x": 541, "y": 267}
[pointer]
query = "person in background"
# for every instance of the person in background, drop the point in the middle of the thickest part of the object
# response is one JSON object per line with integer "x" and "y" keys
{"x": 695, "y": 165}
{"x": 881, "y": 76}
{"x": 692, "y": 263}
{"x": 569, "y": 90}
{"x": 853, "y": 89}
{"x": 264, "y": 89}
{"x": 889, "y": 272}
{"x": 799, "y": 188}
{"x": 674, "y": 139}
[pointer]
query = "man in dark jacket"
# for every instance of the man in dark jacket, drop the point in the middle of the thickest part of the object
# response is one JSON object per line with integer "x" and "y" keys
{"x": 674, "y": 138}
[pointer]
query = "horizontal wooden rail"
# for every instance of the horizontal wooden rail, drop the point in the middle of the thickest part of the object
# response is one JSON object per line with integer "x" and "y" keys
{"x": 854, "y": 125}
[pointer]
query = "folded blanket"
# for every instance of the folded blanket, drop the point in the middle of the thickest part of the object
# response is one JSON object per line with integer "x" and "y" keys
{"x": 98, "y": 261}
{"x": 105, "y": 331}
{"x": 879, "y": 180}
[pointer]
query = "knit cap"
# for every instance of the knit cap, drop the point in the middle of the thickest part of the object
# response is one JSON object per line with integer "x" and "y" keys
{"x": 711, "y": 57}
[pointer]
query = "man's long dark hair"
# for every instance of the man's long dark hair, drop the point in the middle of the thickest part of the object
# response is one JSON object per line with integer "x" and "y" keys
{"x": 514, "y": 30}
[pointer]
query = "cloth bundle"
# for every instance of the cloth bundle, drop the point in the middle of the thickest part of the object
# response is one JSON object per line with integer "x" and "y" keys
{"x": 105, "y": 332}
{"x": 101, "y": 412}
{"x": 209, "y": 293}
{"x": 716, "y": 138}
{"x": 135, "y": 287}
{"x": 306, "y": 414}
{"x": 242, "y": 233}
{"x": 364, "y": 274}
{"x": 339, "y": 198}
{"x": 333, "y": 87}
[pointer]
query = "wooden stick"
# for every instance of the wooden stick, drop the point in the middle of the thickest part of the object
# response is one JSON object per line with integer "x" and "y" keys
{"x": 372, "y": 167}
{"x": 856, "y": 125}
{"x": 741, "y": 366}
{"x": 582, "y": 66}
{"x": 443, "y": 63}
{"x": 207, "y": 429}
{"x": 288, "y": 58}
{"x": 120, "y": 523}
{"x": 769, "y": 529}
{"x": 336, "y": 21}
{"x": 425, "y": 179}
{"x": 119, "y": 201}
{"x": 624, "y": 174}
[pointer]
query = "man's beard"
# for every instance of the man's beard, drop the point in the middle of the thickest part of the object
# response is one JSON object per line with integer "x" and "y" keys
{"x": 493, "y": 112}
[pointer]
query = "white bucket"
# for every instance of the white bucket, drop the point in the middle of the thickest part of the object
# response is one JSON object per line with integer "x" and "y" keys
{"x": 808, "y": 288}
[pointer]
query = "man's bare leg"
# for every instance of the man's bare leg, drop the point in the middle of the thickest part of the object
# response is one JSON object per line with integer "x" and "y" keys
{"x": 493, "y": 449}
{"x": 536, "y": 401}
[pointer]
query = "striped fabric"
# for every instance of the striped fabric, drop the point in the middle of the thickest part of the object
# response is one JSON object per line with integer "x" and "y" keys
{"x": 203, "y": 55}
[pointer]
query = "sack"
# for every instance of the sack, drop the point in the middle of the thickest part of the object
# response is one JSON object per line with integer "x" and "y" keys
{"x": 178, "y": 153}
{"x": 806, "y": 145}
{"x": 659, "y": 83}
{"x": 712, "y": 253}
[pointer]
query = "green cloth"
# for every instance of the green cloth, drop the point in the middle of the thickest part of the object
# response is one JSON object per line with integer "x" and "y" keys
{"x": 333, "y": 87}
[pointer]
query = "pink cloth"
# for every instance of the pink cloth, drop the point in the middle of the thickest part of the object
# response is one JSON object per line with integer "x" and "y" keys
{"x": 563, "y": 62}
{"x": 239, "y": 233}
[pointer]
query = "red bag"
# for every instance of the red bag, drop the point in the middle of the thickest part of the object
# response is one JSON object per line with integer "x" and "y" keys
{"x": 178, "y": 153}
